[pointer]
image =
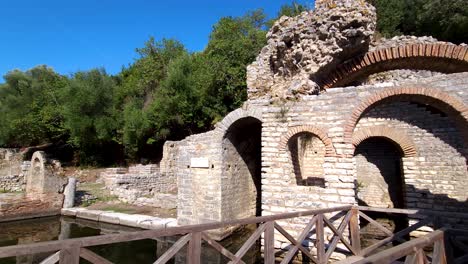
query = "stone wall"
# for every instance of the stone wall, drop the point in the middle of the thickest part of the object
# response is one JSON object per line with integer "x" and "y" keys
{"x": 145, "y": 184}
{"x": 425, "y": 119}
{"x": 12, "y": 183}
{"x": 12, "y": 170}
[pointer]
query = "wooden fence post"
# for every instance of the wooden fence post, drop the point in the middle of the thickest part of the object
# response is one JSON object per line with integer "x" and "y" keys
{"x": 269, "y": 247}
{"x": 439, "y": 255}
{"x": 320, "y": 241}
{"x": 194, "y": 249}
{"x": 70, "y": 255}
{"x": 354, "y": 230}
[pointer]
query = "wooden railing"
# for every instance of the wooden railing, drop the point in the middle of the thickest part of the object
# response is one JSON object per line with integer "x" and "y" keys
{"x": 319, "y": 222}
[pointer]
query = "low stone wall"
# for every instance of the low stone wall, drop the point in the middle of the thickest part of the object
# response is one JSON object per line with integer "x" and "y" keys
{"x": 19, "y": 206}
{"x": 12, "y": 183}
{"x": 142, "y": 185}
{"x": 12, "y": 170}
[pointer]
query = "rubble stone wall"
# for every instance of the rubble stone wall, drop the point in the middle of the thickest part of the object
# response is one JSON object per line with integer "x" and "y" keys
{"x": 144, "y": 184}
{"x": 12, "y": 170}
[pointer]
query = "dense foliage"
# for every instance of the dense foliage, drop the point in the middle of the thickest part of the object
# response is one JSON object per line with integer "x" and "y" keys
{"x": 168, "y": 92}
{"x": 443, "y": 19}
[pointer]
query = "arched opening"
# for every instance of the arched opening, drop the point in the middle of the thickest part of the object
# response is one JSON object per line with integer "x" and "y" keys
{"x": 241, "y": 175}
{"x": 380, "y": 183}
{"x": 380, "y": 180}
{"x": 419, "y": 60}
{"x": 307, "y": 155}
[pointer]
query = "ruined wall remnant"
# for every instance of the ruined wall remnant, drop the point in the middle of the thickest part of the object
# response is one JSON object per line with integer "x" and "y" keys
{"x": 12, "y": 170}
{"x": 310, "y": 44}
{"x": 44, "y": 191}
{"x": 44, "y": 176}
{"x": 153, "y": 184}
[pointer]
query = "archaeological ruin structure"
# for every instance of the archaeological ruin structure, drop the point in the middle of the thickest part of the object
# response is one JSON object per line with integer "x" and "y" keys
{"x": 334, "y": 116}
{"x": 41, "y": 192}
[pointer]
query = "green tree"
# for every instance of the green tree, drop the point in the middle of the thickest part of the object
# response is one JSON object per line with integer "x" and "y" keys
{"x": 138, "y": 84}
{"x": 89, "y": 114}
{"x": 30, "y": 108}
{"x": 290, "y": 10}
{"x": 445, "y": 20}
{"x": 234, "y": 43}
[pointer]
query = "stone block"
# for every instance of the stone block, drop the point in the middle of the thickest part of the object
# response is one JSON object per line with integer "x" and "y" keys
{"x": 89, "y": 214}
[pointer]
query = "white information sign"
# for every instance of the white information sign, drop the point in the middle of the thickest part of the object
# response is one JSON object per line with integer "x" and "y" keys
{"x": 199, "y": 163}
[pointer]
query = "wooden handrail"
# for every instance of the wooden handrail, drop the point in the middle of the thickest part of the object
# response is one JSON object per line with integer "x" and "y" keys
{"x": 18, "y": 250}
{"x": 405, "y": 249}
{"x": 411, "y": 212}
{"x": 71, "y": 250}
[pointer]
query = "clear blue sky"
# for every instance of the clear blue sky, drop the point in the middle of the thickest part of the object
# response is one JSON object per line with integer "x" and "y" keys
{"x": 72, "y": 35}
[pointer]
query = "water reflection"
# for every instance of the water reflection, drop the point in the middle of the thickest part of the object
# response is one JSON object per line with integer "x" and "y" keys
{"x": 143, "y": 251}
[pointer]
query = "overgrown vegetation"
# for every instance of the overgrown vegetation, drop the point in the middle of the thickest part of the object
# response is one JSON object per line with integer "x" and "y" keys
{"x": 168, "y": 92}
{"x": 443, "y": 19}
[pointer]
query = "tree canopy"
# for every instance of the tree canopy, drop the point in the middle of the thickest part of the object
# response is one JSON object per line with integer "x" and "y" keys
{"x": 169, "y": 92}
{"x": 443, "y": 19}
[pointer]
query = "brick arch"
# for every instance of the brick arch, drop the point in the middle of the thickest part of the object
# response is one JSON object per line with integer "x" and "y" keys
{"x": 329, "y": 149}
{"x": 447, "y": 58}
{"x": 237, "y": 115}
{"x": 406, "y": 145}
{"x": 445, "y": 102}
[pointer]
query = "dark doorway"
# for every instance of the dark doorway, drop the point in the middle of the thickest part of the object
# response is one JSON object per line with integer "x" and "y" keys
{"x": 380, "y": 183}
{"x": 241, "y": 180}
{"x": 379, "y": 173}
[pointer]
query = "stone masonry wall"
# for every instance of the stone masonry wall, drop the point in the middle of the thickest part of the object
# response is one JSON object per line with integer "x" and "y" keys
{"x": 12, "y": 170}
{"x": 143, "y": 185}
{"x": 435, "y": 179}
{"x": 433, "y": 169}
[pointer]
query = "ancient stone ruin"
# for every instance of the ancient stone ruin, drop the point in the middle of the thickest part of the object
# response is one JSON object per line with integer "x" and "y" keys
{"x": 43, "y": 194}
{"x": 152, "y": 185}
{"x": 334, "y": 117}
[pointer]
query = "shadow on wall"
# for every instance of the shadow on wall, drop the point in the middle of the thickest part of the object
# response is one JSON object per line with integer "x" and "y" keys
{"x": 308, "y": 155}
{"x": 431, "y": 117}
{"x": 245, "y": 136}
{"x": 453, "y": 212}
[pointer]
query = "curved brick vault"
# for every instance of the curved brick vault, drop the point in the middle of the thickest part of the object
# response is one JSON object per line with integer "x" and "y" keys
{"x": 446, "y": 58}
{"x": 237, "y": 115}
{"x": 329, "y": 149}
{"x": 406, "y": 145}
{"x": 434, "y": 97}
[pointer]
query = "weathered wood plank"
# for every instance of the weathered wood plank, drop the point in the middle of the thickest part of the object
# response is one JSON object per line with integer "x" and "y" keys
{"x": 394, "y": 253}
{"x": 70, "y": 255}
{"x": 297, "y": 244}
{"x": 93, "y": 257}
{"x": 221, "y": 249}
{"x": 269, "y": 246}
{"x": 194, "y": 249}
{"x": 380, "y": 227}
{"x": 249, "y": 243}
{"x": 368, "y": 250}
{"x": 412, "y": 212}
{"x": 52, "y": 259}
{"x": 170, "y": 253}
{"x": 340, "y": 235}
{"x": 439, "y": 252}
{"x": 320, "y": 240}
{"x": 336, "y": 238}
{"x": 355, "y": 236}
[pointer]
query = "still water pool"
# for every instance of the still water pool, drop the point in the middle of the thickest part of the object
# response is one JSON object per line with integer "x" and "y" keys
{"x": 141, "y": 252}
